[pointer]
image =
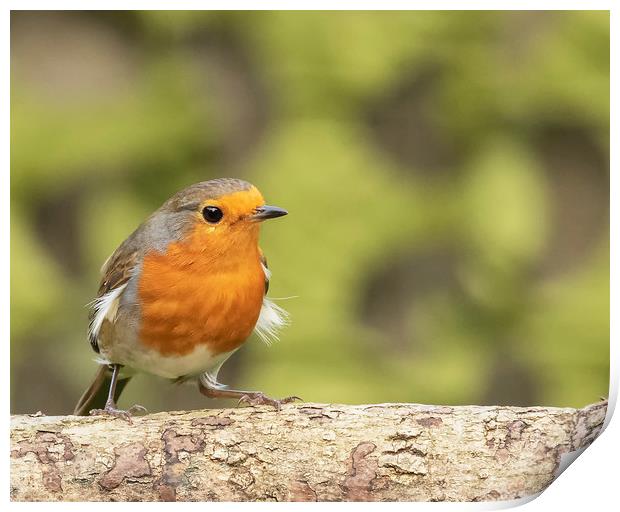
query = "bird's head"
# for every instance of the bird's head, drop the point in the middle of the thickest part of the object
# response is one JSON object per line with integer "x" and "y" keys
{"x": 220, "y": 213}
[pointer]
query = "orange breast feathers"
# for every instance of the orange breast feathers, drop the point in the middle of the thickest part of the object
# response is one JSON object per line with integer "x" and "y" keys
{"x": 197, "y": 293}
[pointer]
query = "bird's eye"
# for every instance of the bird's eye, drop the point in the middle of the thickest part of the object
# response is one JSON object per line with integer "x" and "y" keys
{"x": 212, "y": 214}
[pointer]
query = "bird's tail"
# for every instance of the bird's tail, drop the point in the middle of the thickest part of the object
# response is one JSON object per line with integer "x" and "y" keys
{"x": 97, "y": 393}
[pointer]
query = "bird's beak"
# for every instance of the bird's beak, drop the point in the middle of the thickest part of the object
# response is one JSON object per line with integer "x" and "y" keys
{"x": 267, "y": 212}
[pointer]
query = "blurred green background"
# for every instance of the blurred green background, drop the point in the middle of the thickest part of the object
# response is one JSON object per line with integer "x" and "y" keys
{"x": 446, "y": 173}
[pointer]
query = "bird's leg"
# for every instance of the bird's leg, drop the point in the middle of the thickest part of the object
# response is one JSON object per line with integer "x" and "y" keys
{"x": 248, "y": 397}
{"x": 110, "y": 408}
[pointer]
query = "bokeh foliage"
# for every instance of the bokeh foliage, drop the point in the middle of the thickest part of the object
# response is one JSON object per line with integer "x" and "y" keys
{"x": 447, "y": 175}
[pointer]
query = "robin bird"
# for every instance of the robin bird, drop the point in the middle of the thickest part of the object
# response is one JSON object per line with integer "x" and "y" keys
{"x": 182, "y": 293}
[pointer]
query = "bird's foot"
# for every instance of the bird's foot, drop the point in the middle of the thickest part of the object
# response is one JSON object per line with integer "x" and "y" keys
{"x": 258, "y": 398}
{"x": 111, "y": 410}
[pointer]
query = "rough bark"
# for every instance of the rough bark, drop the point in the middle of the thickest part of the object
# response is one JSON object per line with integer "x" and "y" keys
{"x": 305, "y": 452}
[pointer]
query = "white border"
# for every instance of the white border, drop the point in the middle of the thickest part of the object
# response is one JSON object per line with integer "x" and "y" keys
{"x": 589, "y": 483}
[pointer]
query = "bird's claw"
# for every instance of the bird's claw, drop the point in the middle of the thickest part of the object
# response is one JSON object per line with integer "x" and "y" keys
{"x": 137, "y": 409}
{"x": 119, "y": 413}
{"x": 258, "y": 398}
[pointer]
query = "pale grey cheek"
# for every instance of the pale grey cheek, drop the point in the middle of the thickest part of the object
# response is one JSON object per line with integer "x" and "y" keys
{"x": 165, "y": 228}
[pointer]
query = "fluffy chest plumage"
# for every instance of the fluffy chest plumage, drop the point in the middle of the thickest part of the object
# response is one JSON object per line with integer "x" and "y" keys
{"x": 190, "y": 297}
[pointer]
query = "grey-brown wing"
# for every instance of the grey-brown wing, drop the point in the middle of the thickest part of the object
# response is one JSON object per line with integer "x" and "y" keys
{"x": 116, "y": 271}
{"x": 263, "y": 261}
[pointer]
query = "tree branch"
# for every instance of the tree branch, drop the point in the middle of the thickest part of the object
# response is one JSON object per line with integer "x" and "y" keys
{"x": 305, "y": 452}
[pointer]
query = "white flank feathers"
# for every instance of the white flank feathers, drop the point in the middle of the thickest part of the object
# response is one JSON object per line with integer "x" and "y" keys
{"x": 266, "y": 271}
{"x": 271, "y": 319}
{"x": 105, "y": 307}
{"x": 209, "y": 378}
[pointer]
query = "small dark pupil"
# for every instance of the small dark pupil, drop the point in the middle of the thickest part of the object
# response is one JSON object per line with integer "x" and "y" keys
{"x": 212, "y": 214}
